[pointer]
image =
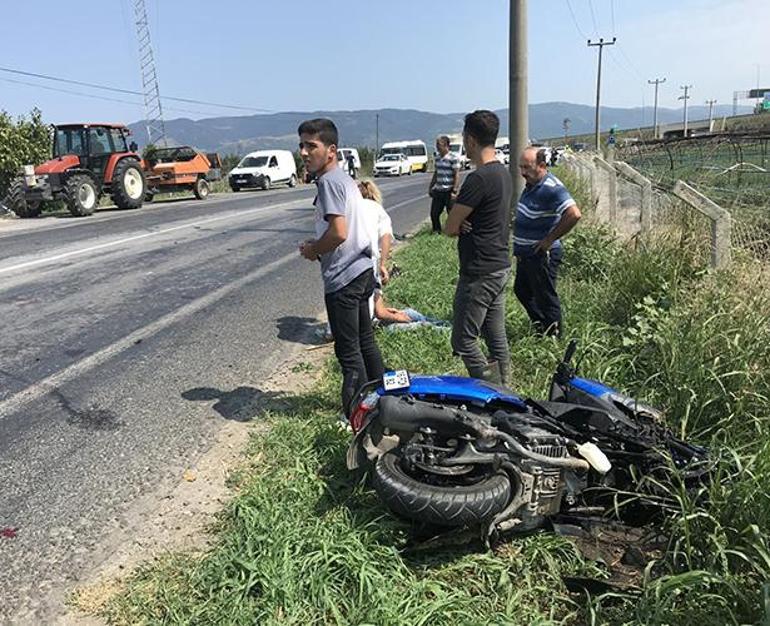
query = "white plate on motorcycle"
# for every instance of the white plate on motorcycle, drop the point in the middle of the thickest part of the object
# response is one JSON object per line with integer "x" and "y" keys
{"x": 395, "y": 380}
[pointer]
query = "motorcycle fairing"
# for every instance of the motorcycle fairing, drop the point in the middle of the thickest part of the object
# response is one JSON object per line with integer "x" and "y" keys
{"x": 458, "y": 389}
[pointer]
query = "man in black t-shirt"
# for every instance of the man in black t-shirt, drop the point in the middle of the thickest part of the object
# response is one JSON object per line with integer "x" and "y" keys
{"x": 479, "y": 219}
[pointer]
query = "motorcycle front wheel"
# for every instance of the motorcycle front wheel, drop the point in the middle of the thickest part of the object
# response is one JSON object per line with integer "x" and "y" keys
{"x": 457, "y": 501}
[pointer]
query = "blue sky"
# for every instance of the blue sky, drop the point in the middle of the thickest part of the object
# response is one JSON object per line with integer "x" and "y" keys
{"x": 442, "y": 55}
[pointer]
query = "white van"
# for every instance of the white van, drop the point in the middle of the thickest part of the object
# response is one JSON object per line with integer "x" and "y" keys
{"x": 342, "y": 159}
{"x": 414, "y": 150}
{"x": 457, "y": 146}
{"x": 264, "y": 169}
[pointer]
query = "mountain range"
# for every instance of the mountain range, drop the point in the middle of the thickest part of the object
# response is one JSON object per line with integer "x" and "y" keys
{"x": 241, "y": 134}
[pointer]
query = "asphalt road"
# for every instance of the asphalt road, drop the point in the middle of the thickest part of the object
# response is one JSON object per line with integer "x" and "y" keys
{"x": 128, "y": 338}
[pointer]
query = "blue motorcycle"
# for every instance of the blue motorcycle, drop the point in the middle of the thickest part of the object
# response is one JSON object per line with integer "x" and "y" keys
{"x": 459, "y": 452}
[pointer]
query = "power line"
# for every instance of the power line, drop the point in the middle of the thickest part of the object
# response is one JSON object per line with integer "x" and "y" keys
{"x": 633, "y": 67}
{"x": 574, "y": 20}
{"x": 593, "y": 16}
{"x": 612, "y": 13}
{"x": 95, "y": 97}
{"x": 129, "y": 91}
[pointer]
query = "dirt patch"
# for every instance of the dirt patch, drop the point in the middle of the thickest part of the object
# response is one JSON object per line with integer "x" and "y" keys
{"x": 179, "y": 519}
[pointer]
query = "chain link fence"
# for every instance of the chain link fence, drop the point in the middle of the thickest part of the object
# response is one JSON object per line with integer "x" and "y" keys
{"x": 710, "y": 194}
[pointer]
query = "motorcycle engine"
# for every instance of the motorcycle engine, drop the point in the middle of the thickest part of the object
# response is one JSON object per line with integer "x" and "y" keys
{"x": 543, "y": 487}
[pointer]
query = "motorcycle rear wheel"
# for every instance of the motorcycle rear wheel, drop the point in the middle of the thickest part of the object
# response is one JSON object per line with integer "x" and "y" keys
{"x": 445, "y": 505}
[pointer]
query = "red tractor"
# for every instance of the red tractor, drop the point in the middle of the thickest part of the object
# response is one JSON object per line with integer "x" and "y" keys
{"x": 89, "y": 160}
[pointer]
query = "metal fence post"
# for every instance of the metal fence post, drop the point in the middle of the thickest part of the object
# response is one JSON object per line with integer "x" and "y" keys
{"x": 721, "y": 222}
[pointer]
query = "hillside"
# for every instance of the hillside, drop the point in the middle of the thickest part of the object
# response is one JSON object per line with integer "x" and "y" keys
{"x": 240, "y": 134}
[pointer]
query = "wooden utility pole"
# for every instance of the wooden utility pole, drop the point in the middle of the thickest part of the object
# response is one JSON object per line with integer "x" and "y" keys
{"x": 656, "y": 82}
{"x": 601, "y": 43}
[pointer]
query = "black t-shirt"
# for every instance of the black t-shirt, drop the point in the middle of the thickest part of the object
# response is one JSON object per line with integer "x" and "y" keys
{"x": 488, "y": 192}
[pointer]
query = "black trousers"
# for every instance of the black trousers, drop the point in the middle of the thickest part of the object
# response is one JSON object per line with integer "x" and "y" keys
{"x": 535, "y": 287}
{"x": 351, "y": 324}
{"x": 440, "y": 200}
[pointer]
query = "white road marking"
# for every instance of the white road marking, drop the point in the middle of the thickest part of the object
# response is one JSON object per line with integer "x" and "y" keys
{"x": 117, "y": 242}
{"x": 50, "y": 383}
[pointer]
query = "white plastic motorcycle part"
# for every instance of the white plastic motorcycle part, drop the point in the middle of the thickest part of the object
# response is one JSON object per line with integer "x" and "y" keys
{"x": 595, "y": 457}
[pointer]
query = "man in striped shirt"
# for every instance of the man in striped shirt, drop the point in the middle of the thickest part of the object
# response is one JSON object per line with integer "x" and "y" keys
{"x": 445, "y": 182}
{"x": 545, "y": 213}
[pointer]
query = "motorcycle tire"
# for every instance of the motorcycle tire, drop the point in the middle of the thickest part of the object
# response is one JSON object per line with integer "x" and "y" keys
{"x": 455, "y": 505}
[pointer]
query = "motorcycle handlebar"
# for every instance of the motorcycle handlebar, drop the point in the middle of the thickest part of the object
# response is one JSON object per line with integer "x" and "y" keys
{"x": 571, "y": 347}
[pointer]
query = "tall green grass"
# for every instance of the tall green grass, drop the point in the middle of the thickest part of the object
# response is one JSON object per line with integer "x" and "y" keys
{"x": 305, "y": 542}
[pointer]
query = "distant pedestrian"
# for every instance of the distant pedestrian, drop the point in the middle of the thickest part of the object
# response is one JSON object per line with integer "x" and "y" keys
{"x": 351, "y": 165}
{"x": 344, "y": 249}
{"x": 479, "y": 218}
{"x": 445, "y": 182}
{"x": 545, "y": 213}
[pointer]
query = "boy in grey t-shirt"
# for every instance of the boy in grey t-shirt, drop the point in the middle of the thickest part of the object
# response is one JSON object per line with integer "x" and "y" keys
{"x": 345, "y": 251}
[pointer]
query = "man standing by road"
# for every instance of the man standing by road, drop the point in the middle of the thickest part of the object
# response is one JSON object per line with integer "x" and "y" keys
{"x": 345, "y": 250}
{"x": 545, "y": 213}
{"x": 445, "y": 182}
{"x": 480, "y": 219}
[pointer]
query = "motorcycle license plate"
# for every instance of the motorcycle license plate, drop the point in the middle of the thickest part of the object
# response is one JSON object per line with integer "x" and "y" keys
{"x": 395, "y": 380}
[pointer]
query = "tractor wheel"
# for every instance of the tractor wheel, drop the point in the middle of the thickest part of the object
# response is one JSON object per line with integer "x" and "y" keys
{"x": 19, "y": 204}
{"x": 201, "y": 189}
{"x": 128, "y": 184}
{"x": 265, "y": 183}
{"x": 81, "y": 195}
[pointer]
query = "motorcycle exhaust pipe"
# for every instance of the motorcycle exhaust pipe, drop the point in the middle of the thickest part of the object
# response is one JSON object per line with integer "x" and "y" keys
{"x": 403, "y": 414}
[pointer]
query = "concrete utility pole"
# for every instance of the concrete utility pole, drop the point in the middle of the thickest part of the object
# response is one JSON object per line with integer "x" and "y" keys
{"x": 601, "y": 43}
{"x": 518, "y": 115}
{"x": 685, "y": 97}
{"x": 656, "y": 82}
{"x": 711, "y": 104}
{"x": 377, "y": 136}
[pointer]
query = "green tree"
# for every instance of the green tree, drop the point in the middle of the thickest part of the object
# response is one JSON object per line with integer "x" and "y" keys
{"x": 25, "y": 140}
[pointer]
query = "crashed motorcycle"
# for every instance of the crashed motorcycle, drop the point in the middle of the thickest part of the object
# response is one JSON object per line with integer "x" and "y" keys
{"x": 450, "y": 451}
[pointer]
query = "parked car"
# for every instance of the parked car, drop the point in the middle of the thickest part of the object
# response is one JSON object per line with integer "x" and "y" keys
{"x": 263, "y": 169}
{"x": 415, "y": 150}
{"x": 392, "y": 165}
{"x": 502, "y": 156}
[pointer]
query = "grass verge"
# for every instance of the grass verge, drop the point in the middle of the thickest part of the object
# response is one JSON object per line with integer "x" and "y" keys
{"x": 305, "y": 542}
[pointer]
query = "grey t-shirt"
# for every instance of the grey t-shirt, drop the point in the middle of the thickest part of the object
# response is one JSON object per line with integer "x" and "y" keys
{"x": 339, "y": 195}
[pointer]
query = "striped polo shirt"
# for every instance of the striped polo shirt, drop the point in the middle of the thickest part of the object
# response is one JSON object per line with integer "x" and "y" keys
{"x": 539, "y": 210}
{"x": 446, "y": 166}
